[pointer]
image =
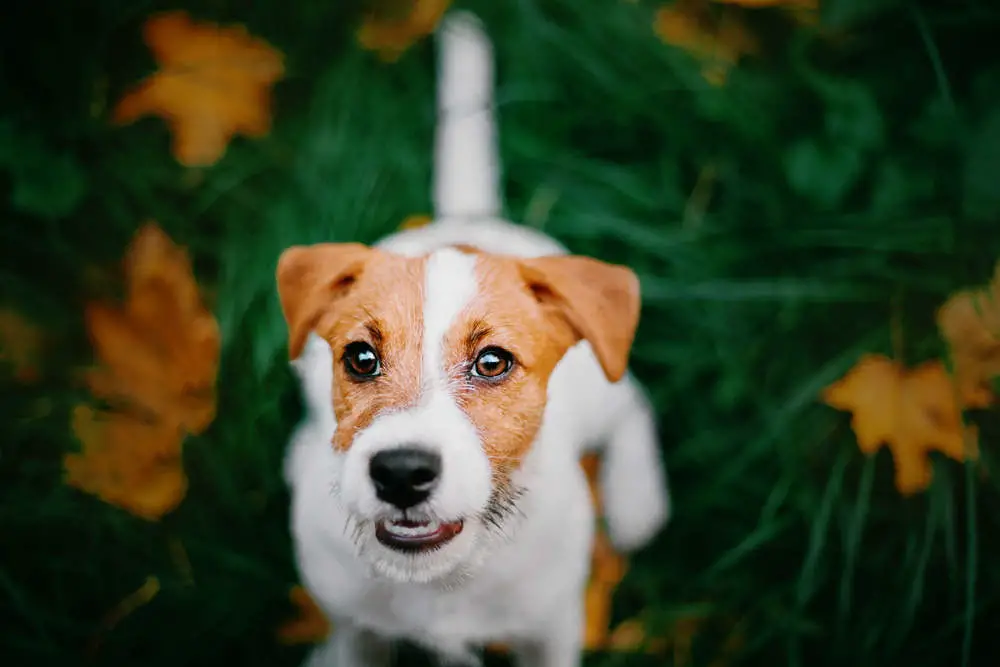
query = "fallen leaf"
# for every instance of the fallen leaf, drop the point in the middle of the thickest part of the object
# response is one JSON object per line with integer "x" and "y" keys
{"x": 158, "y": 358}
{"x": 969, "y": 322}
{"x": 717, "y": 41}
{"x": 310, "y": 625}
{"x": 127, "y": 462}
{"x": 21, "y": 342}
{"x": 159, "y": 351}
{"x": 390, "y": 27}
{"x": 607, "y": 569}
{"x": 415, "y": 222}
{"x": 213, "y": 83}
{"x": 911, "y": 411}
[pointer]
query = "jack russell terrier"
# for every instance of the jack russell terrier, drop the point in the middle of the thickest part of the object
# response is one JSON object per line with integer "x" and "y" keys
{"x": 453, "y": 377}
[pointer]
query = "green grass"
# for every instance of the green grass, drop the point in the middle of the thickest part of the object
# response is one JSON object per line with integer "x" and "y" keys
{"x": 854, "y": 187}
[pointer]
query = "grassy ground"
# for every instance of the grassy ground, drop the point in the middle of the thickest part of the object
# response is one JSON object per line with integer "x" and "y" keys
{"x": 818, "y": 205}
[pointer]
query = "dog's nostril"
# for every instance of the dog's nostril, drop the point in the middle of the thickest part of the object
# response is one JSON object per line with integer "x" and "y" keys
{"x": 404, "y": 477}
{"x": 423, "y": 476}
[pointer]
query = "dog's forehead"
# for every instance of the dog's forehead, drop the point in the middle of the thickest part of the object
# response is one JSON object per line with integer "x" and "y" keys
{"x": 430, "y": 295}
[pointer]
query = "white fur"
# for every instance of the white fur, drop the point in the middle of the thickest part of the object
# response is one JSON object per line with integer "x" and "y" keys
{"x": 524, "y": 586}
{"x": 466, "y": 173}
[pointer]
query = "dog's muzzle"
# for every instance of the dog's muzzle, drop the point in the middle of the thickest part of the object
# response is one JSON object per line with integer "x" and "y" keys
{"x": 404, "y": 477}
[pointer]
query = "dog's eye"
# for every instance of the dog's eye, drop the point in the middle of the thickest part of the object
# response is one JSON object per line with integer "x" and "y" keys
{"x": 493, "y": 363}
{"x": 361, "y": 361}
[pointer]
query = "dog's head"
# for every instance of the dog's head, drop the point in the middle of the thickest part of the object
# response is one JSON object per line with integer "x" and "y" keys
{"x": 441, "y": 368}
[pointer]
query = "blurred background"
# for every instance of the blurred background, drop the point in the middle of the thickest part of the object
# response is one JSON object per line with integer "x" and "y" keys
{"x": 810, "y": 193}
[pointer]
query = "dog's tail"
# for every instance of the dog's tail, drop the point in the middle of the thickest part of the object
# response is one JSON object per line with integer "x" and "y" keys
{"x": 466, "y": 170}
{"x": 633, "y": 480}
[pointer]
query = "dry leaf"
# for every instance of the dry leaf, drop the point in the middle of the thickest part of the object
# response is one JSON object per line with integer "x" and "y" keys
{"x": 632, "y": 635}
{"x": 415, "y": 222}
{"x": 719, "y": 42}
{"x": 911, "y": 411}
{"x": 214, "y": 83}
{"x": 392, "y": 26}
{"x": 159, "y": 351}
{"x": 21, "y": 343}
{"x": 158, "y": 357}
{"x": 970, "y": 323}
{"x": 127, "y": 462}
{"x": 607, "y": 569}
{"x": 310, "y": 626}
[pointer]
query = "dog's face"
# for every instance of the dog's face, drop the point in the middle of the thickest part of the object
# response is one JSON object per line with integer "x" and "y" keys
{"x": 441, "y": 368}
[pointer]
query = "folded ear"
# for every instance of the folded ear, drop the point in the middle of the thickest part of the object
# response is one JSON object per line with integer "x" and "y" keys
{"x": 311, "y": 279}
{"x": 599, "y": 301}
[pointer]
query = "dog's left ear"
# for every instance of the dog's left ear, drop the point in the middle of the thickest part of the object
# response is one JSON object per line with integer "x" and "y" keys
{"x": 310, "y": 281}
{"x": 599, "y": 301}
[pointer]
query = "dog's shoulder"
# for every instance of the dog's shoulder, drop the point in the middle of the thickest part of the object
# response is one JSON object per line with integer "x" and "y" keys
{"x": 489, "y": 235}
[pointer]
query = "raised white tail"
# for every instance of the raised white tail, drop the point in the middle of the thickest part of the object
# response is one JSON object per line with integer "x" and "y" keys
{"x": 466, "y": 169}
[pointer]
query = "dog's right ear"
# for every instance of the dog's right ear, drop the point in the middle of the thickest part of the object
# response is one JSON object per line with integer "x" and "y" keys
{"x": 311, "y": 279}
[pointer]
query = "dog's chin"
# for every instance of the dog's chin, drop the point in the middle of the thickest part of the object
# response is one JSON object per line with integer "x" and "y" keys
{"x": 420, "y": 551}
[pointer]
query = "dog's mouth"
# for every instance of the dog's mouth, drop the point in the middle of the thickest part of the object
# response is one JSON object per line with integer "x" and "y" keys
{"x": 416, "y": 536}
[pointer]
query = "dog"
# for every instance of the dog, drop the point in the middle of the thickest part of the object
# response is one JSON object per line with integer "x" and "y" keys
{"x": 453, "y": 376}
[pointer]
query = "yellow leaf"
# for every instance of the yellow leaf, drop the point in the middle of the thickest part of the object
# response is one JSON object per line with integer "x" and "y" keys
{"x": 127, "y": 462}
{"x": 969, "y": 322}
{"x": 310, "y": 625}
{"x": 159, "y": 351}
{"x": 719, "y": 42}
{"x": 21, "y": 343}
{"x": 213, "y": 83}
{"x": 392, "y": 26}
{"x": 911, "y": 411}
{"x": 158, "y": 357}
{"x": 415, "y": 222}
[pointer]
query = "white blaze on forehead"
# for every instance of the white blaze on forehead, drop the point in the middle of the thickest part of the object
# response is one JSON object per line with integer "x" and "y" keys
{"x": 449, "y": 284}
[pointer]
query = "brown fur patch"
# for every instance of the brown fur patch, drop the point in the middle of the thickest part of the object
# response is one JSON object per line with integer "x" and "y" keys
{"x": 505, "y": 314}
{"x": 384, "y": 308}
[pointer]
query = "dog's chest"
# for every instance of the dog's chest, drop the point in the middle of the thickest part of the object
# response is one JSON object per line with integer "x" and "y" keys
{"x": 438, "y": 617}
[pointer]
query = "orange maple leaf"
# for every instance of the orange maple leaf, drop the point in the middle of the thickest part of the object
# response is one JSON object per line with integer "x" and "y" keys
{"x": 159, "y": 357}
{"x": 970, "y": 323}
{"x": 718, "y": 42}
{"x": 911, "y": 411}
{"x": 309, "y": 626}
{"x": 21, "y": 342}
{"x": 392, "y": 26}
{"x": 213, "y": 84}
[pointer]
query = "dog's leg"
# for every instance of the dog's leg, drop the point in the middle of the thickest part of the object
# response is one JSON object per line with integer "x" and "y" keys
{"x": 561, "y": 646}
{"x": 633, "y": 477}
{"x": 349, "y": 646}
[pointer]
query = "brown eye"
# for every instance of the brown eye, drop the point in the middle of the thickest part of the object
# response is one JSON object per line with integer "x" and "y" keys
{"x": 493, "y": 363}
{"x": 361, "y": 361}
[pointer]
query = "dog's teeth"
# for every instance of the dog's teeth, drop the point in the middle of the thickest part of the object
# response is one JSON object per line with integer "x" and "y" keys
{"x": 413, "y": 531}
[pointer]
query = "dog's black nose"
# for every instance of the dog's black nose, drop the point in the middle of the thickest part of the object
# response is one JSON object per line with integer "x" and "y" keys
{"x": 404, "y": 477}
